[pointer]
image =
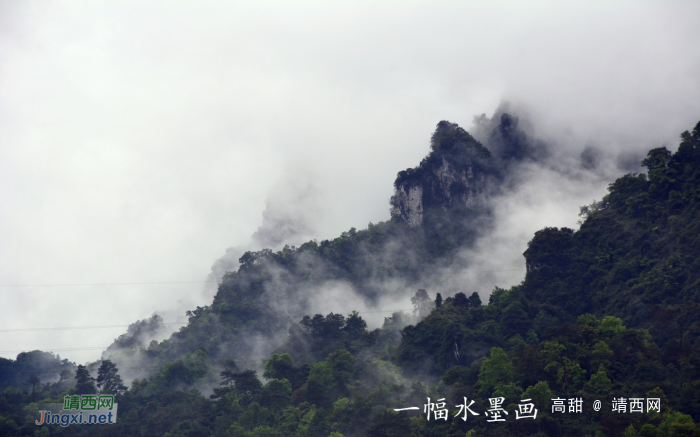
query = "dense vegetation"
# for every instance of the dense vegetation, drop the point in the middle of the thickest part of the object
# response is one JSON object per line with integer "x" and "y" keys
{"x": 608, "y": 311}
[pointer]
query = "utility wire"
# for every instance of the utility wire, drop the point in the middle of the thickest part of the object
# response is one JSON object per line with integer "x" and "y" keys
{"x": 69, "y": 349}
{"x": 107, "y": 283}
{"x": 124, "y": 326}
{"x": 114, "y": 326}
{"x": 172, "y": 282}
{"x": 66, "y": 328}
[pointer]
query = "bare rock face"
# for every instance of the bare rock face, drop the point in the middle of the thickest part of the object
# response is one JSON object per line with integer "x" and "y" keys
{"x": 453, "y": 174}
{"x": 457, "y": 186}
{"x": 407, "y": 203}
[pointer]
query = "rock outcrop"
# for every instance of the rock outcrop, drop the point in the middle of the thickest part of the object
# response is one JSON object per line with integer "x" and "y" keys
{"x": 453, "y": 174}
{"x": 407, "y": 203}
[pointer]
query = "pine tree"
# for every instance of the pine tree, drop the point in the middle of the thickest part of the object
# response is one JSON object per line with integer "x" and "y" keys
{"x": 421, "y": 303}
{"x": 108, "y": 380}
{"x": 84, "y": 383}
{"x": 474, "y": 300}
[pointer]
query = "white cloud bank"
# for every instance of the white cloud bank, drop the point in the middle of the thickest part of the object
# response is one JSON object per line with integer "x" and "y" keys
{"x": 138, "y": 140}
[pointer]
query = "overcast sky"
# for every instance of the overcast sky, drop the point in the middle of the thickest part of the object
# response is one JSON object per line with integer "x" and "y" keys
{"x": 139, "y": 140}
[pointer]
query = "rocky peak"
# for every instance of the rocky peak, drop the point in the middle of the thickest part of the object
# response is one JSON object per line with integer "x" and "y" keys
{"x": 452, "y": 175}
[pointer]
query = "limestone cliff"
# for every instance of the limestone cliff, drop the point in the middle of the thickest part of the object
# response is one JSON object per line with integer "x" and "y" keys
{"x": 407, "y": 203}
{"x": 452, "y": 175}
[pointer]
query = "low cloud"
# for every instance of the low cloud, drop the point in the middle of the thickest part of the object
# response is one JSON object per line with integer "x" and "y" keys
{"x": 137, "y": 142}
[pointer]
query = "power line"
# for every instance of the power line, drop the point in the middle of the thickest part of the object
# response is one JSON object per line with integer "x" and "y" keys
{"x": 69, "y": 349}
{"x": 65, "y": 328}
{"x": 107, "y": 283}
{"x": 111, "y": 326}
{"x": 177, "y": 282}
{"x": 123, "y": 326}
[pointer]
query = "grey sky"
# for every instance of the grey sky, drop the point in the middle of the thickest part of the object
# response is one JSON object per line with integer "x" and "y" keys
{"x": 139, "y": 140}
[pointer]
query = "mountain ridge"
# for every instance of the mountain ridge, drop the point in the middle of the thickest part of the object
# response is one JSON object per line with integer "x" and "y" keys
{"x": 608, "y": 311}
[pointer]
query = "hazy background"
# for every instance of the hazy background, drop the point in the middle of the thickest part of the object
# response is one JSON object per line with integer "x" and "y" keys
{"x": 139, "y": 141}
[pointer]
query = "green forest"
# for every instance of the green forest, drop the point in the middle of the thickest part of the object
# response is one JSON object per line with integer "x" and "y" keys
{"x": 608, "y": 312}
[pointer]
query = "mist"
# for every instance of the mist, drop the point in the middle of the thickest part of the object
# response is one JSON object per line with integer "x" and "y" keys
{"x": 138, "y": 143}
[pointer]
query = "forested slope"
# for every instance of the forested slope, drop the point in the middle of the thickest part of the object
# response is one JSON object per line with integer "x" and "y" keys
{"x": 605, "y": 312}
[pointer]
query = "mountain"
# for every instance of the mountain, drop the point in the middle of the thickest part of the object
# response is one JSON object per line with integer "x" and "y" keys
{"x": 453, "y": 175}
{"x": 256, "y": 305}
{"x": 605, "y": 312}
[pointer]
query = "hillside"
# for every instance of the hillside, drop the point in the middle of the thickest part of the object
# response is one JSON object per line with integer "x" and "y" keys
{"x": 607, "y": 311}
